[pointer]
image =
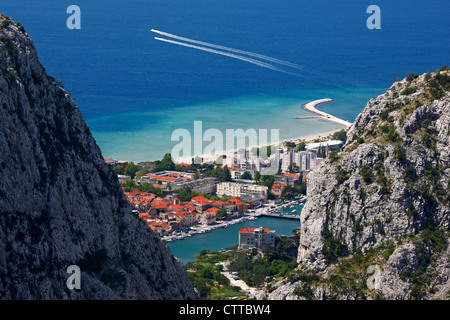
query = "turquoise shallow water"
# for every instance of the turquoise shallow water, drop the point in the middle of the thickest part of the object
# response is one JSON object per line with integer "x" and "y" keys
{"x": 223, "y": 238}
{"x": 141, "y": 136}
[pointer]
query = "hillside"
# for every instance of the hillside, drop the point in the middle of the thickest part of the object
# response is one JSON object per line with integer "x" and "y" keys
{"x": 382, "y": 201}
{"x": 60, "y": 204}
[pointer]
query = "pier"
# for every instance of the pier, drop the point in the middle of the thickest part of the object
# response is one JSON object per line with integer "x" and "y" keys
{"x": 311, "y": 106}
{"x": 275, "y": 211}
{"x": 310, "y": 117}
{"x": 277, "y": 215}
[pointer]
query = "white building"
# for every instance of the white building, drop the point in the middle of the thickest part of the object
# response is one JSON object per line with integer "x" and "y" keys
{"x": 256, "y": 238}
{"x": 234, "y": 189}
{"x": 204, "y": 185}
{"x": 304, "y": 160}
{"x": 328, "y": 144}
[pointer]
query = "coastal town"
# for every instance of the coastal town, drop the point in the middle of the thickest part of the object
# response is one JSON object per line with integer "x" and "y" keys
{"x": 179, "y": 199}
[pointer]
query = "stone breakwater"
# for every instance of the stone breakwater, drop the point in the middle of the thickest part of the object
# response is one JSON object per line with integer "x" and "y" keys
{"x": 311, "y": 106}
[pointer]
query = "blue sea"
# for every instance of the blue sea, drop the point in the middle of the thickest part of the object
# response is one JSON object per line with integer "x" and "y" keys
{"x": 134, "y": 90}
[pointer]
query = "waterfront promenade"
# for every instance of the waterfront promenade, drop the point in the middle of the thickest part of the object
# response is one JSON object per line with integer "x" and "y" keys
{"x": 311, "y": 106}
{"x": 274, "y": 211}
{"x": 278, "y": 215}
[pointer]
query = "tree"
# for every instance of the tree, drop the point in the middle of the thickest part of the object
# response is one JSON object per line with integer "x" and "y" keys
{"x": 221, "y": 213}
{"x": 293, "y": 168}
{"x": 268, "y": 180}
{"x": 118, "y": 170}
{"x": 140, "y": 173}
{"x": 267, "y": 150}
{"x": 301, "y": 146}
{"x": 226, "y": 174}
{"x": 340, "y": 135}
{"x": 186, "y": 194}
{"x": 246, "y": 175}
{"x": 290, "y": 144}
{"x": 223, "y": 174}
{"x": 257, "y": 176}
{"x": 166, "y": 163}
{"x": 131, "y": 169}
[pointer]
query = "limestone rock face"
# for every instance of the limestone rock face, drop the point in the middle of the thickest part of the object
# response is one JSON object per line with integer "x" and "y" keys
{"x": 383, "y": 200}
{"x": 60, "y": 204}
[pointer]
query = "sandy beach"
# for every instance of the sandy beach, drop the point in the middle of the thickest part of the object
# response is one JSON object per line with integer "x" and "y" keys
{"x": 310, "y": 106}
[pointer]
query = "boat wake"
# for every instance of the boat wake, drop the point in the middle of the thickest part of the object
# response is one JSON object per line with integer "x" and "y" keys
{"x": 248, "y": 53}
{"x": 205, "y": 46}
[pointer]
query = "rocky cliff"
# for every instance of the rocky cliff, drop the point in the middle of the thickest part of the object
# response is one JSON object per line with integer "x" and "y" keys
{"x": 60, "y": 205}
{"x": 378, "y": 210}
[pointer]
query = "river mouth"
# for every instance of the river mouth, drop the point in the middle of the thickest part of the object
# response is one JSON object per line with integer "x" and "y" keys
{"x": 222, "y": 238}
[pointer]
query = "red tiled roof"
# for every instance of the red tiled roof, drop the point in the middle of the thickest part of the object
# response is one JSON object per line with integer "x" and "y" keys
{"x": 212, "y": 211}
{"x": 235, "y": 201}
{"x": 292, "y": 175}
{"x": 201, "y": 200}
{"x": 251, "y": 230}
{"x": 160, "y": 178}
{"x": 159, "y": 206}
{"x": 177, "y": 206}
{"x": 134, "y": 192}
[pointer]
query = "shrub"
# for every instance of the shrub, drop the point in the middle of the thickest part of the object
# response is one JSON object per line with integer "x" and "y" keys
{"x": 333, "y": 248}
{"x": 366, "y": 173}
{"x": 341, "y": 175}
{"x": 408, "y": 91}
{"x": 333, "y": 156}
{"x": 410, "y": 173}
{"x": 384, "y": 114}
{"x": 118, "y": 170}
{"x": 340, "y": 135}
{"x": 410, "y": 77}
{"x": 392, "y": 135}
{"x": 5, "y": 23}
{"x": 411, "y": 211}
{"x": 426, "y": 123}
{"x": 400, "y": 153}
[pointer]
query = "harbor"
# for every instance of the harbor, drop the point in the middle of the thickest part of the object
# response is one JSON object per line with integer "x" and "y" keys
{"x": 286, "y": 210}
{"x": 222, "y": 238}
